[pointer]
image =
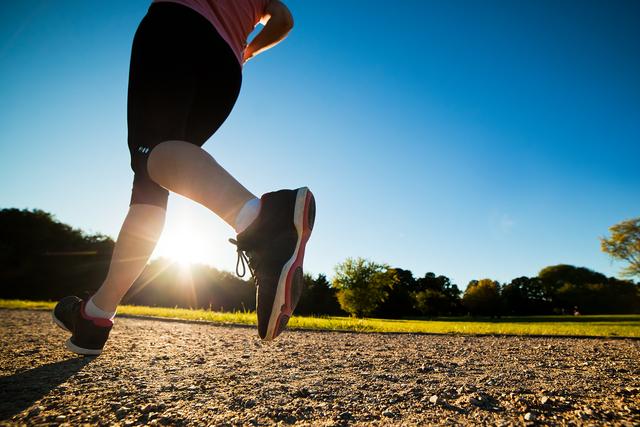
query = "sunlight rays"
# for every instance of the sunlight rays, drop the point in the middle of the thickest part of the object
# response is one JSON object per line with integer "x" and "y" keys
{"x": 185, "y": 240}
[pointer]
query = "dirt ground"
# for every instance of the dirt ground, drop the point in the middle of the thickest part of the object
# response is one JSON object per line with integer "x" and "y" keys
{"x": 175, "y": 373}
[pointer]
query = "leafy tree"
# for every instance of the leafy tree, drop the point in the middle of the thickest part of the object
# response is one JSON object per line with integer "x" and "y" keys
{"x": 568, "y": 286}
{"x": 430, "y": 302}
{"x": 482, "y": 297}
{"x": 41, "y": 258}
{"x": 399, "y": 302}
{"x": 363, "y": 285}
{"x": 319, "y": 297}
{"x": 437, "y": 296}
{"x": 555, "y": 276}
{"x": 525, "y": 296}
{"x": 624, "y": 245}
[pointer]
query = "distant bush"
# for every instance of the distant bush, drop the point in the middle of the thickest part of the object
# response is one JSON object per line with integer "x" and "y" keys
{"x": 319, "y": 297}
{"x": 567, "y": 286}
{"x": 482, "y": 297}
{"x": 525, "y": 296}
{"x": 363, "y": 285}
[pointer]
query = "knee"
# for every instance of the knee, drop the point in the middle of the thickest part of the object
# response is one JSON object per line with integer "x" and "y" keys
{"x": 147, "y": 192}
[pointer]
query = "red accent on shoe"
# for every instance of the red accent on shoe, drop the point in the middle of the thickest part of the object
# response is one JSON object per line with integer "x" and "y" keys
{"x": 98, "y": 321}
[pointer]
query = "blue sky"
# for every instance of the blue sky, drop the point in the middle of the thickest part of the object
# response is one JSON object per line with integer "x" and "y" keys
{"x": 471, "y": 139}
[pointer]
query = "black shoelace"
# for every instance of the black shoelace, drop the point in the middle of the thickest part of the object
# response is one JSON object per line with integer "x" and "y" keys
{"x": 243, "y": 259}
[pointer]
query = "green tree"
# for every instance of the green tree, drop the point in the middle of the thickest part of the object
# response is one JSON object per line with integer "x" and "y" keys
{"x": 362, "y": 285}
{"x": 399, "y": 302}
{"x": 525, "y": 296}
{"x": 624, "y": 245}
{"x": 482, "y": 297}
{"x": 430, "y": 302}
{"x": 318, "y": 297}
{"x": 42, "y": 258}
{"x": 436, "y": 296}
{"x": 554, "y": 277}
{"x": 567, "y": 286}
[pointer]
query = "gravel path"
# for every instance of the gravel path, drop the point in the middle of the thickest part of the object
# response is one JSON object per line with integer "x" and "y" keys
{"x": 173, "y": 373}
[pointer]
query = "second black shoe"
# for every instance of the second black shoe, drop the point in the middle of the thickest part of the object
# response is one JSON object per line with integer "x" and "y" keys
{"x": 273, "y": 246}
{"x": 88, "y": 334}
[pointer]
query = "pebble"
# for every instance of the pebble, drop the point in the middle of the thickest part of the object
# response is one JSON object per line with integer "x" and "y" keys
{"x": 425, "y": 368}
{"x": 122, "y": 412}
{"x": 388, "y": 413}
{"x": 475, "y": 401}
{"x": 303, "y": 392}
{"x": 147, "y": 408}
{"x": 345, "y": 416}
{"x": 545, "y": 400}
{"x": 529, "y": 416}
{"x": 434, "y": 399}
{"x": 36, "y": 411}
{"x": 61, "y": 418}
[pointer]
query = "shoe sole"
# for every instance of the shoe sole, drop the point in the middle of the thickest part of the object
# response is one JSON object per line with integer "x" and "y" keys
{"x": 71, "y": 346}
{"x": 291, "y": 276}
{"x": 79, "y": 350}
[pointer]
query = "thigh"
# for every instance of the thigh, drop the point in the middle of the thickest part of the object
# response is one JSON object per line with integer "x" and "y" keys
{"x": 161, "y": 82}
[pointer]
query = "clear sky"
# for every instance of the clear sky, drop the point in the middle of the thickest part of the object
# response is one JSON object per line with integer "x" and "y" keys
{"x": 468, "y": 138}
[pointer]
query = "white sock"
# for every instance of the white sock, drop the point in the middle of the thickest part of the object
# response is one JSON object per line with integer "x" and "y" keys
{"x": 247, "y": 215}
{"x": 93, "y": 310}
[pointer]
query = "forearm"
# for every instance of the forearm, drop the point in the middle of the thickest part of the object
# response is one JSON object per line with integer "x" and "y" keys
{"x": 276, "y": 29}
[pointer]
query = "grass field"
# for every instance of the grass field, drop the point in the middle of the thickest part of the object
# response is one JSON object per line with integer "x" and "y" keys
{"x": 593, "y": 326}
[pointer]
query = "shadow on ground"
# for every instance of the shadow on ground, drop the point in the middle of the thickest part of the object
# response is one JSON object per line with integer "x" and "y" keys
{"x": 20, "y": 390}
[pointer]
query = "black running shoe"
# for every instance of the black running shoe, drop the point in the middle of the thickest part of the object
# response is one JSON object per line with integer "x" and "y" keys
{"x": 273, "y": 246}
{"x": 88, "y": 333}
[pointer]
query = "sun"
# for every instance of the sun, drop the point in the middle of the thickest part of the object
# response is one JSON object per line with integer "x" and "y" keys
{"x": 194, "y": 235}
{"x": 184, "y": 244}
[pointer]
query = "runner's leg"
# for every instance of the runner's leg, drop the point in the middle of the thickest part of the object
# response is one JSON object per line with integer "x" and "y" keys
{"x": 137, "y": 239}
{"x": 161, "y": 89}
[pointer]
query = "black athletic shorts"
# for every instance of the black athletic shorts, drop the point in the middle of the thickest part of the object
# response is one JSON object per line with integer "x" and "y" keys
{"x": 183, "y": 82}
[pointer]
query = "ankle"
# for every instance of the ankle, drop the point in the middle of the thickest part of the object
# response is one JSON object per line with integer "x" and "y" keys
{"x": 247, "y": 214}
{"x": 92, "y": 310}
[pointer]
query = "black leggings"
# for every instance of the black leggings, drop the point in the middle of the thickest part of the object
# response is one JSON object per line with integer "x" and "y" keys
{"x": 183, "y": 82}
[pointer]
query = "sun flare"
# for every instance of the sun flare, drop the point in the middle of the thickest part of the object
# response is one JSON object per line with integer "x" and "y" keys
{"x": 183, "y": 244}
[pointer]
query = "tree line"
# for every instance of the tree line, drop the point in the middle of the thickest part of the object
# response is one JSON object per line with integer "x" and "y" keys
{"x": 43, "y": 259}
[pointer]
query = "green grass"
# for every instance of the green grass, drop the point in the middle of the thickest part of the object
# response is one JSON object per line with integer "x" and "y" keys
{"x": 593, "y": 326}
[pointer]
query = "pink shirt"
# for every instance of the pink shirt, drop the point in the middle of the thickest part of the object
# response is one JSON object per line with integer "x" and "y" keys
{"x": 234, "y": 19}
